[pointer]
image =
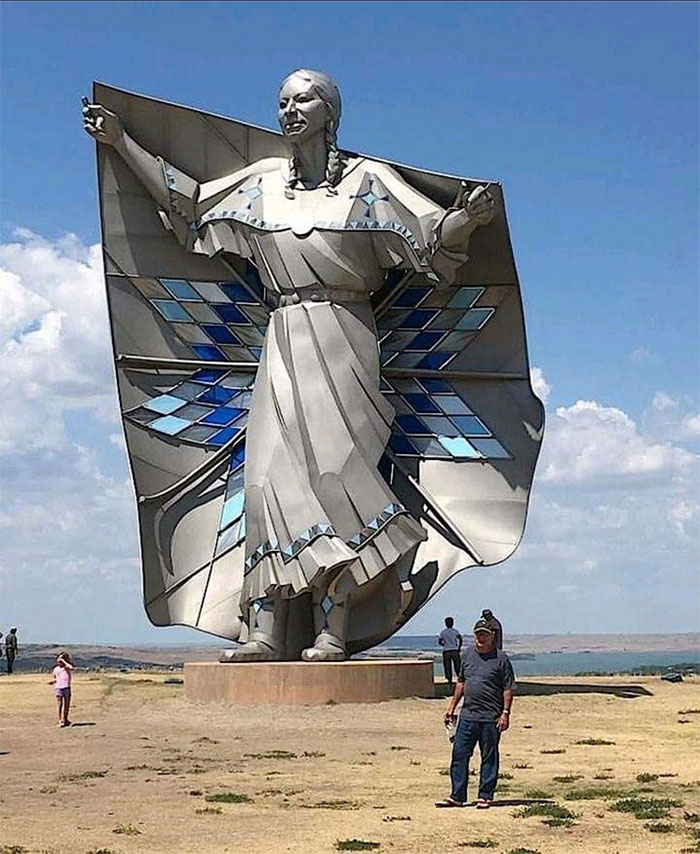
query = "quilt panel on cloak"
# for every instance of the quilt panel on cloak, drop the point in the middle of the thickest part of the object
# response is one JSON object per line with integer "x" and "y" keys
{"x": 187, "y": 333}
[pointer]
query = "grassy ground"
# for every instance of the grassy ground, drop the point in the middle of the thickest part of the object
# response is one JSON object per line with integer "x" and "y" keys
{"x": 146, "y": 771}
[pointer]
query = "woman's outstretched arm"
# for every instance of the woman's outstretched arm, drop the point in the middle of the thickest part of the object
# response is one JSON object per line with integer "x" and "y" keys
{"x": 106, "y": 127}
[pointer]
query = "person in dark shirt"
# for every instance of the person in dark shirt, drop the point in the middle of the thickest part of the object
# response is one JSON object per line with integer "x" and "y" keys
{"x": 486, "y": 684}
{"x": 495, "y": 624}
{"x": 11, "y": 649}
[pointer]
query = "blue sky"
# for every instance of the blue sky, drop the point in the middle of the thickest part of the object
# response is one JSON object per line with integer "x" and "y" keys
{"x": 588, "y": 114}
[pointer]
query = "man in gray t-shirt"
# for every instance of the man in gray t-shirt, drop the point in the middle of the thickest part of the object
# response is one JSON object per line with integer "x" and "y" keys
{"x": 485, "y": 682}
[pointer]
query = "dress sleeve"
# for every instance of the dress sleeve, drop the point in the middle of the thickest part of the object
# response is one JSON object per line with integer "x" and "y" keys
{"x": 189, "y": 200}
{"x": 423, "y": 219}
{"x": 183, "y": 192}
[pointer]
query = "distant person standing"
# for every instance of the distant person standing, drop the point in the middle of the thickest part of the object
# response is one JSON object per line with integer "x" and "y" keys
{"x": 486, "y": 684}
{"x": 11, "y": 649}
{"x": 495, "y": 624}
{"x": 62, "y": 677}
{"x": 451, "y": 642}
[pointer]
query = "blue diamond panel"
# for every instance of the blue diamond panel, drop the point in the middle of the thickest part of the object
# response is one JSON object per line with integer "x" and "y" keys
{"x": 209, "y": 408}
{"x": 232, "y": 525}
{"x": 433, "y": 422}
{"x": 206, "y": 316}
{"x": 445, "y": 320}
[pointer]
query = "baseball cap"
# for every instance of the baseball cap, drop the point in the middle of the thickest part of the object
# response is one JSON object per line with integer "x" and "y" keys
{"x": 483, "y": 626}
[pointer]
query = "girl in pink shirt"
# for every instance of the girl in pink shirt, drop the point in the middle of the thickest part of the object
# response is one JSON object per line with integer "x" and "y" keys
{"x": 62, "y": 675}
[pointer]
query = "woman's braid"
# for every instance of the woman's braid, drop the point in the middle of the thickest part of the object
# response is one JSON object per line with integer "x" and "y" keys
{"x": 335, "y": 164}
{"x": 293, "y": 178}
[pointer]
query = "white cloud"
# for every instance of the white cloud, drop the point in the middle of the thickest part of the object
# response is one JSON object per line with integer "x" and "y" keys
{"x": 644, "y": 356}
{"x": 69, "y": 526}
{"x": 19, "y": 307}
{"x": 662, "y": 401}
{"x": 674, "y": 417}
{"x": 691, "y": 426}
{"x": 589, "y": 441}
{"x": 611, "y": 542}
{"x": 54, "y": 339}
{"x": 539, "y": 384}
{"x": 685, "y": 515}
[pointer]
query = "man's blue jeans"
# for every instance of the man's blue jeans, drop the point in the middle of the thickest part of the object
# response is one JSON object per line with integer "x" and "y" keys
{"x": 468, "y": 734}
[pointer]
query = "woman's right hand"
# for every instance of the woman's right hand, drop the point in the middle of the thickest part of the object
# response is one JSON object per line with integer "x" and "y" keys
{"x": 101, "y": 124}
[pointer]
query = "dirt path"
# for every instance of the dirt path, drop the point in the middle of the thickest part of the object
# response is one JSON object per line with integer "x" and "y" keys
{"x": 141, "y": 760}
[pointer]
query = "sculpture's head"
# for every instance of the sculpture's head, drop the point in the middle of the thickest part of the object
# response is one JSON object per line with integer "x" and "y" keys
{"x": 309, "y": 104}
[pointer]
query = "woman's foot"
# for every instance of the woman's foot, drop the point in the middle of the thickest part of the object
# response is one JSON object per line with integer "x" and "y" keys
{"x": 327, "y": 647}
{"x": 254, "y": 650}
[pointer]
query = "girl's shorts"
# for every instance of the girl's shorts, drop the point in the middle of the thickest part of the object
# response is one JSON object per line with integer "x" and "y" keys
{"x": 63, "y": 692}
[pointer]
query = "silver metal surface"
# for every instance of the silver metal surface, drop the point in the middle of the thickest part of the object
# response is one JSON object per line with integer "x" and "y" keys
{"x": 238, "y": 290}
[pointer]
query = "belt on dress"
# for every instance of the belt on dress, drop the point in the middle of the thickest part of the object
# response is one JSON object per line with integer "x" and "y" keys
{"x": 316, "y": 293}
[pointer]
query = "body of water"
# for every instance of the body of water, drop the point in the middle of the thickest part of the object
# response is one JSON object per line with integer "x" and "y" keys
{"x": 551, "y": 663}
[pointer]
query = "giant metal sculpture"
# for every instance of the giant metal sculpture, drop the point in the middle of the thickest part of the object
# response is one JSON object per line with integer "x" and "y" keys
{"x": 326, "y": 400}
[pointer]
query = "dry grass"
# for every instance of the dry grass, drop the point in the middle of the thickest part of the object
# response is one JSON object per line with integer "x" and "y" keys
{"x": 205, "y": 779}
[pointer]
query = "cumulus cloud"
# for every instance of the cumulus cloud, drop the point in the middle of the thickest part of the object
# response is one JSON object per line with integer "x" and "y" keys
{"x": 611, "y": 542}
{"x": 66, "y": 515}
{"x": 674, "y": 416}
{"x": 588, "y": 441}
{"x": 663, "y": 402}
{"x": 614, "y": 519}
{"x": 539, "y": 384}
{"x": 54, "y": 339}
{"x": 67, "y": 510}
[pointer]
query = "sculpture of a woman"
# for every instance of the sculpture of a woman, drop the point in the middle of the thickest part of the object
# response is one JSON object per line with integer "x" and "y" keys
{"x": 318, "y": 423}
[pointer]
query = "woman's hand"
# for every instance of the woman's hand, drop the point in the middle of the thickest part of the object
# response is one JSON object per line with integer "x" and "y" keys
{"x": 480, "y": 206}
{"x": 101, "y": 124}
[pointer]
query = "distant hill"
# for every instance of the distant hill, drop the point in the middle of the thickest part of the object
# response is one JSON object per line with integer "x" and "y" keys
{"x": 37, "y": 657}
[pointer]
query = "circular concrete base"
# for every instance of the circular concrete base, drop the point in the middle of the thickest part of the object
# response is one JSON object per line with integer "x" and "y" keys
{"x": 297, "y": 683}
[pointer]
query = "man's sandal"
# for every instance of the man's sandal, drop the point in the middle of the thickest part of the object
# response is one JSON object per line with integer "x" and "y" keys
{"x": 483, "y": 803}
{"x": 449, "y": 802}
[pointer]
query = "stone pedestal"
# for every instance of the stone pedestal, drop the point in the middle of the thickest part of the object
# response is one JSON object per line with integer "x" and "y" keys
{"x": 296, "y": 683}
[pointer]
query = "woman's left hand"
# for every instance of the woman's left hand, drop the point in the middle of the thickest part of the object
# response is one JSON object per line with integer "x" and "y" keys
{"x": 480, "y": 206}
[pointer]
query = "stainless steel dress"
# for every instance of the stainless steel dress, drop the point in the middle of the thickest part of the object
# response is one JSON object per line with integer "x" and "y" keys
{"x": 315, "y": 500}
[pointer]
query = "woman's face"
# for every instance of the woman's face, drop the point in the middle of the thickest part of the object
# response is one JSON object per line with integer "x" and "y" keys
{"x": 302, "y": 114}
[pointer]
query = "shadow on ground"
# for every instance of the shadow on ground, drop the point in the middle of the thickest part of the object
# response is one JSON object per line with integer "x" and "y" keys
{"x": 536, "y": 689}
{"x": 505, "y": 802}
{"x": 539, "y": 689}
{"x": 515, "y": 802}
